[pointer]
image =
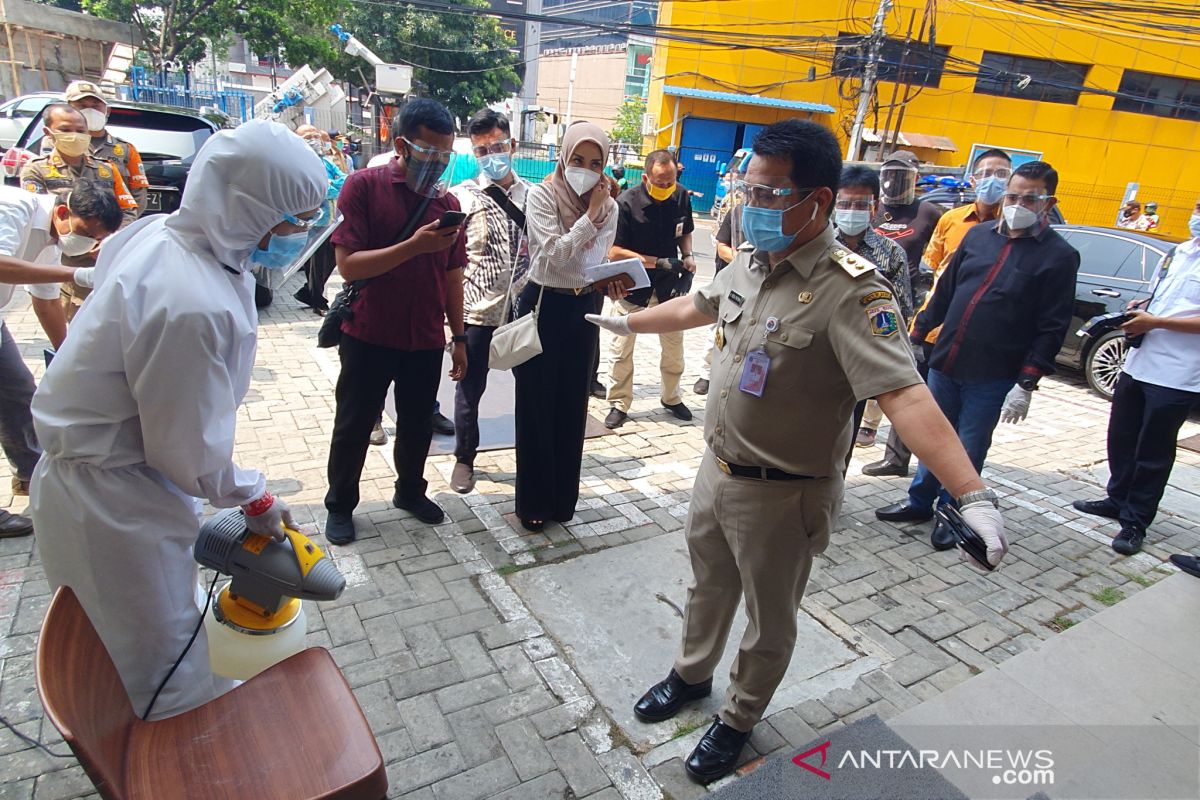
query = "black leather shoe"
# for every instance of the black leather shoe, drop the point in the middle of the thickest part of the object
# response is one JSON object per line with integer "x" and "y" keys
{"x": 615, "y": 419}
{"x": 903, "y": 512}
{"x": 942, "y": 537}
{"x": 1098, "y": 508}
{"x": 442, "y": 425}
{"x": 1129, "y": 540}
{"x": 13, "y": 525}
{"x": 598, "y": 391}
{"x": 879, "y": 469}
{"x": 665, "y": 698}
{"x": 701, "y": 387}
{"x": 421, "y": 507}
{"x": 339, "y": 527}
{"x": 1189, "y": 564}
{"x": 717, "y": 753}
{"x": 680, "y": 411}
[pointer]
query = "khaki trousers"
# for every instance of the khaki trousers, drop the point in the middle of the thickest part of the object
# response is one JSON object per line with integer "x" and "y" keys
{"x": 670, "y": 363}
{"x": 753, "y": 538}
{"x": 872, "y": 416}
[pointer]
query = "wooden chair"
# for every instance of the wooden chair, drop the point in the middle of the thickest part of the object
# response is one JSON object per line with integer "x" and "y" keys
{"x": 292, "y": 732}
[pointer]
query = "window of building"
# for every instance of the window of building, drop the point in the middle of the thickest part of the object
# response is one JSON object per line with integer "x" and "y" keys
{"x": 1160, "y": 95}
{"x": 922, "y": 66}
{"x": 1048, "y": 81}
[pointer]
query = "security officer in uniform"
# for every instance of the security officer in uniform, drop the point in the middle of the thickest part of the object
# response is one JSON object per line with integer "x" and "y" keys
{"x": 85, "y": 97}
{"x": 57, "y": 171}
{"x": 804, "y": 328}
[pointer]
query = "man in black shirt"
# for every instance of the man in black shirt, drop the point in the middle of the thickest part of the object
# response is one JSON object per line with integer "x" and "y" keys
{"x": 1004, "y": 303}
{"x": 655, "y": 225}
{"x": 900, "y": 216}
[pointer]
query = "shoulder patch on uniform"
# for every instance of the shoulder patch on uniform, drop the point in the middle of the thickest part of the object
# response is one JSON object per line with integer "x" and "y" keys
{"x": 103, "y": 171}
{"x": 884, "y": 321}
{"x": 855, "y": 265}
{"x": 118, "y": 150}
{"x": 867, "y": 299}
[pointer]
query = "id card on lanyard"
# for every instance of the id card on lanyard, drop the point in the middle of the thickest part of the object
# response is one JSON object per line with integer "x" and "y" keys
{"x": 758, "y": 364}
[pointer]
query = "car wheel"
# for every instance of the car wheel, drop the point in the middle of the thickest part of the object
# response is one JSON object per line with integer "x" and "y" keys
{"x": 262, "y": 296}
{"x": 1104, "y": 360}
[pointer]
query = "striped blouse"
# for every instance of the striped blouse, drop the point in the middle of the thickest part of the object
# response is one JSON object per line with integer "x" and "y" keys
{"x": 557, "y": 258}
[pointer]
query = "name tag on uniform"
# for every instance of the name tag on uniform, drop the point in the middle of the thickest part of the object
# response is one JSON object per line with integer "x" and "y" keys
{"x": 754, "y": 373}
{"x": 736, "y": 298}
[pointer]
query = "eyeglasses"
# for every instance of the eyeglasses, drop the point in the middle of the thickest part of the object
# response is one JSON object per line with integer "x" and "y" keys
{"x": 853, "y": 205}
{"x": 1000, "y": 172}
{"x": 1027, "y": 200}
{"x": 756, "y": 194}
{"x": 302, "y": 224}
{"x": 494, "y": 149}
{"x": 421, "y": 153}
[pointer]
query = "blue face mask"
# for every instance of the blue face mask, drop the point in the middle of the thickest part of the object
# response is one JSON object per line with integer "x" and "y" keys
{"x": 281, "y": 250}
{"x": 496, "y": 165}
{"x": 763, "y": 227}
{"x": 1194, "y": 226}
{"x": 990, "y": 190}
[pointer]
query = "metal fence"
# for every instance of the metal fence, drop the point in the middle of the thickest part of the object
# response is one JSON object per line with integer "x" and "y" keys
{"x": 186, "y": 91}
{"x": 1098, "y": 204}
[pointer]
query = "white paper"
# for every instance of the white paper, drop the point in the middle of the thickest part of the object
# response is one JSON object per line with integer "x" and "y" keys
{"x": 627, "y": 266}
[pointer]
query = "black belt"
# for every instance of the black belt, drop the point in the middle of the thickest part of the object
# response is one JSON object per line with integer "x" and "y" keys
{"x": 573, "y": 292}
{"x": 759, "y": 473}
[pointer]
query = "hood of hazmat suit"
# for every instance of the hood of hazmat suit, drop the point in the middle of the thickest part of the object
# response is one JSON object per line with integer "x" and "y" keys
{"x": 136, "y": 413}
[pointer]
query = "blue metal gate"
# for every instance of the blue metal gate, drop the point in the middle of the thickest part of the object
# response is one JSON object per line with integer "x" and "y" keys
{"x": 187, "y": 91}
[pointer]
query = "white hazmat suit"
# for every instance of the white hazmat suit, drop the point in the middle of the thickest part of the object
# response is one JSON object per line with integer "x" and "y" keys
{"x": 136, "y": 413}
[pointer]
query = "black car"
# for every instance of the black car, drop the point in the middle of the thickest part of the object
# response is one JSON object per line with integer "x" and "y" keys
{"x": 167, "y": 138}
{"x": 1115, "y": 267}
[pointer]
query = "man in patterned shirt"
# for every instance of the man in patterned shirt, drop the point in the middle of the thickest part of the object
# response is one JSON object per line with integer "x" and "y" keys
{"x": 495, "y": 257}
{"x": 853, "y": 210}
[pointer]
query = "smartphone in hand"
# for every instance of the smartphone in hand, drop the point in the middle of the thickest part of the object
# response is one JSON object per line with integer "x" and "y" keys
{"x": 451, "y": 219}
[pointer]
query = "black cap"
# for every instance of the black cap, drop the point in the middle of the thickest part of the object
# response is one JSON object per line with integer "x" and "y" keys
{"x": 903, "y": 157}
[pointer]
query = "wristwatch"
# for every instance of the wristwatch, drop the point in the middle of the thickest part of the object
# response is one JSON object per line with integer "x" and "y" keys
{"x": 1029, "y": 384}
{"x": 459, "y": 339}
{"x": 977, "y": 496}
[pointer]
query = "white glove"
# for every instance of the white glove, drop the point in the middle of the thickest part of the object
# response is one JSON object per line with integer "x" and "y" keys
{"x": 270, "y": 521}
{"x": 618, "y": 325}
{"x": 1016, "y": 405}
{"x": 984, "y": 518}
{"x": 84, "y": 277}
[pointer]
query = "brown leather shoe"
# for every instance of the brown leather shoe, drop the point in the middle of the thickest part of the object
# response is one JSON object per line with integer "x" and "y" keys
{"x": 462, "y": 479}
{"x": 20, "y": 488}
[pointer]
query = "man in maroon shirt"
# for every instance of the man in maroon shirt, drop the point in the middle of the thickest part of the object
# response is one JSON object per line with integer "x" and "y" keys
{"x": 396, "y": 332}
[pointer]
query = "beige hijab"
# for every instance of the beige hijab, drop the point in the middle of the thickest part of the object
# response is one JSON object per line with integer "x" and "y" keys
{"x": 570, "y": 205}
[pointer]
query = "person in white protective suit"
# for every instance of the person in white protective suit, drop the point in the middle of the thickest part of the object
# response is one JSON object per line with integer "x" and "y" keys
{"x": 136, "y": 413}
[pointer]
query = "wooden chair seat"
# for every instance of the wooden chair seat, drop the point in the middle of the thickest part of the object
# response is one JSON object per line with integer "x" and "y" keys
{"x": 292, "y": 732}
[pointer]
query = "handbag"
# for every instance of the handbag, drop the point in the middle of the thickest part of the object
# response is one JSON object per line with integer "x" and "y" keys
{"x": 514, "y": 343}
{"x": 330, "y": 332}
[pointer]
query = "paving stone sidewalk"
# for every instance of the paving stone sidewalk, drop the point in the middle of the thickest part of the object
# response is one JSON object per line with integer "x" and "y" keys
{"x": 471, "y": 698}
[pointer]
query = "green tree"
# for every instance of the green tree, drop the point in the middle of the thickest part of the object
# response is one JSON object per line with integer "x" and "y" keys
{"x": 177, "y": 30}
{"x": 628, "y": 127}
{"x": 462, "y": 60}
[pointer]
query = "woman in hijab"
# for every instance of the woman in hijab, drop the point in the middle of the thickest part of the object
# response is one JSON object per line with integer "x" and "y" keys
{"x": 571, "y": 221}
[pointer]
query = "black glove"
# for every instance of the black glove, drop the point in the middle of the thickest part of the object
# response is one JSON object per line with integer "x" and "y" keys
{"x": 669, "y": 263}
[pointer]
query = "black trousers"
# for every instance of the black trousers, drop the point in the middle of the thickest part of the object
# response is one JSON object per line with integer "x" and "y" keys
{"x": 367, "y": 370}
{"x": 897, "y": 452}
{"x": 552, "y": 399}
{"x": 318, "y": 269}
{"x": 599, "y": 301}
{"x": 468, "y": 392}
{"x": 1142, "y": 431}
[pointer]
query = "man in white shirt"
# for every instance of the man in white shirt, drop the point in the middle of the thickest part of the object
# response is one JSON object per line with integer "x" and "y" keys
{"x": 35, "y": 230}
{"x": 1158, "y": 388}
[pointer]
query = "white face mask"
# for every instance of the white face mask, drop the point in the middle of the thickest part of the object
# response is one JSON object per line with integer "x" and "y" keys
{"x": 1019, "y": 218}
{"x": 581, "y": 180}
{"x": 96, "y": 119}
{"x": 851, "y": 222}
{"x": 75, "y": 244}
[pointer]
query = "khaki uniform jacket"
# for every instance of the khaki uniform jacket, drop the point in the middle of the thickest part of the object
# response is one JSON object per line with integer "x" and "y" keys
{"x": 829, "y": 324}
{"x": 128, "y": 161}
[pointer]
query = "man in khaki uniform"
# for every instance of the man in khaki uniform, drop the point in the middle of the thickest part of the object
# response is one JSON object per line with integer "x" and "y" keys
{"x": 57, "y": 171}
{"x": 804, "y": 328}
{"x": 85, "y": 97}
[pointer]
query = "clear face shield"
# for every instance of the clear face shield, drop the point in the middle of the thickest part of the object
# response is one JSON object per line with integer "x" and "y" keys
{"x": 425, "y": 169}
{"x": 897, "y": 184}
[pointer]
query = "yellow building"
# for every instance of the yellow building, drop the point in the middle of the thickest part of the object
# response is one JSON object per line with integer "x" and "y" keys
{"x": 1106, "y": 106}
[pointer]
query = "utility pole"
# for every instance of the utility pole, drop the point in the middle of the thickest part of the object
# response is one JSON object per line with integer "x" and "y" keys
{"x": 531, "y": 54}
{"x": 868, "y": 82}
{"x": 571, "y": 85}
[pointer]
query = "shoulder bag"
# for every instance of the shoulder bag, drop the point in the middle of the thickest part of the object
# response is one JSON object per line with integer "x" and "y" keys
{"x": 330, "y": 333}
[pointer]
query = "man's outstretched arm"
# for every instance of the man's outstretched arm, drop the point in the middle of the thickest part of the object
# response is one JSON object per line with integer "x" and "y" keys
{"x": 678, "y": 314}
